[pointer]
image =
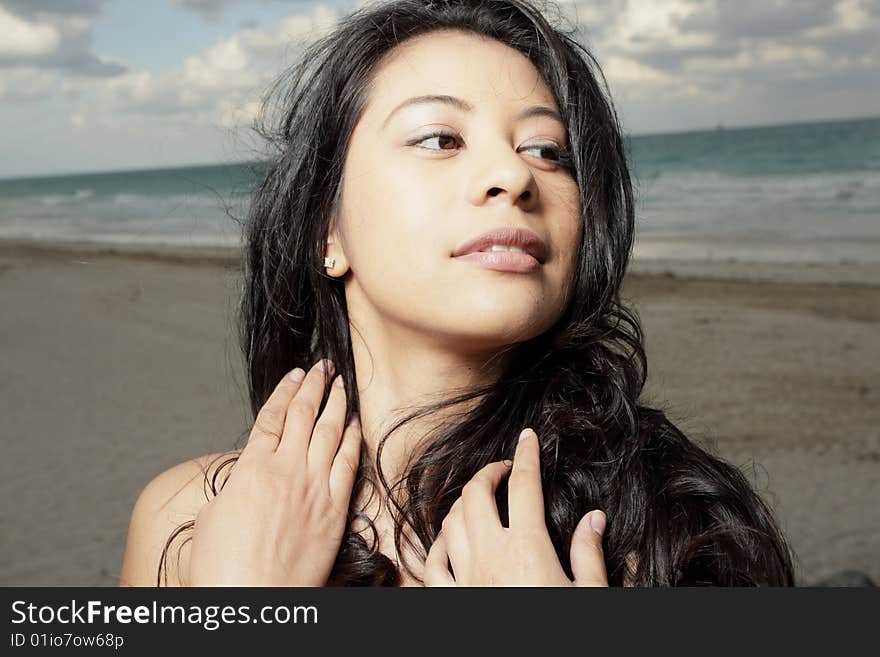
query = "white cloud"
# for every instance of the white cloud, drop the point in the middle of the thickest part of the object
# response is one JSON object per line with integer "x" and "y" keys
{"x": 54, "y": 36}
{"x": 649, "y": 49}
{"x": 26, "y": 85}
{"x": 853, "y": 15}
{"x": 22, "y": 37}
{"x": 221, "y": 85}
{"x": 676, "y": 64}
{"x": 623, "y": 69}
{"x": 212, "y": 10}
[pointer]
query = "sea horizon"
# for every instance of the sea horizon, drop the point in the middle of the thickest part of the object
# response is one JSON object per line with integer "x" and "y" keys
{"x": 631, "y": 135}
{"x": 805, "y": 192}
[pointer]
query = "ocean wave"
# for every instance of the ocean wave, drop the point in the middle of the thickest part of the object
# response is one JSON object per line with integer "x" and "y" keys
{"x": 202, "y": 200}
{"x": 58, "y": 199}
{"x": 859, "y": 191}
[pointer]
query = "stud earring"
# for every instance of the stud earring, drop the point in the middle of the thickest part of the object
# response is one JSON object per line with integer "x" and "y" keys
{"x": 329, "y": 262}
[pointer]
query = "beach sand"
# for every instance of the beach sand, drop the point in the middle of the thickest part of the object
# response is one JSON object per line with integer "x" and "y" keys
{"x": 116, "y": 365}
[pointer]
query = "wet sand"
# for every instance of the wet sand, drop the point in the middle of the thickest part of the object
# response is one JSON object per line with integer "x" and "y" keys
{"x": 116, "y": 365}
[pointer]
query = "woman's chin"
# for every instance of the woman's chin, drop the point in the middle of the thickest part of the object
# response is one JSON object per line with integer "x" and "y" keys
{"x": 497, "y": 327}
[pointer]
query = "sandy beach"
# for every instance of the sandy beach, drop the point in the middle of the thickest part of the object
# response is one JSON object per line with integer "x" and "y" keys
{"x": 117, "y": 364}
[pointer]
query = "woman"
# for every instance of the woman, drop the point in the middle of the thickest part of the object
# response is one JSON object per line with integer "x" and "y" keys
{"x": 448, "y": 219}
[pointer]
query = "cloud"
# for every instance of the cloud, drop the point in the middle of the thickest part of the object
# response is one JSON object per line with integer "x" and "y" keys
{"x": 24, "y": 39}
{"x": 590, "y": 20}
{"x": 41, "y": 34}
{"x": 212, "y": 10}
{"x": 755, "y": 19}
{"x": 35, "y": 9}
{"x": 700, "y": 52}
{"x": 219, "y": 86}
{"x": 26, "y": 85}
{"x": 718, "y": 56}
{"x": 209, "y": 10}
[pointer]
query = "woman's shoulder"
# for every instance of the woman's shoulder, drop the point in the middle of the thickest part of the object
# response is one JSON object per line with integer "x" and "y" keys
{"x": 187, "y": 485}
{"x": 167, "y": 503}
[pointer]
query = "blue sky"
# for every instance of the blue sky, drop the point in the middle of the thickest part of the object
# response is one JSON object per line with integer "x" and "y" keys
{"x": 91, "y": 85}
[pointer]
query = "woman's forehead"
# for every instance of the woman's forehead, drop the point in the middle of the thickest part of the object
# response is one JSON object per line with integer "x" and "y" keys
{"x": 479, "y": 70}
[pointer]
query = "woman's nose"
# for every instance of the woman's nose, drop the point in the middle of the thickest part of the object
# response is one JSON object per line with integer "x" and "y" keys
{"x": 501, "y": 176}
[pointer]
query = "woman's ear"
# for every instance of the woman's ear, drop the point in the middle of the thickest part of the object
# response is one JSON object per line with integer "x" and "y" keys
{"x": 335, "y": 262}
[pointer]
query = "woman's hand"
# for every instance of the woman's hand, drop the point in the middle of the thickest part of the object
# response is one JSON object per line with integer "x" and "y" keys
{"x": 485, "y": 553}
{"x": 280, "y": 517}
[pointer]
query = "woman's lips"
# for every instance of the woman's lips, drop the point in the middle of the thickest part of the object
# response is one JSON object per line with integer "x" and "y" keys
{"x": 512, "y": 261}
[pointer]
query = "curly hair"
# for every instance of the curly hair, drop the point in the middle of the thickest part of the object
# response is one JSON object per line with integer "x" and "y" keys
{"x": 676, "y": 514}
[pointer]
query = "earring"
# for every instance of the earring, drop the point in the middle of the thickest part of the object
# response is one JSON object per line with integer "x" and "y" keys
{"x": 329, "y": 262}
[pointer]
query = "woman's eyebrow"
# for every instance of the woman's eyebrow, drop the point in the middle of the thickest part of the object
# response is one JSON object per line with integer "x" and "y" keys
{"x": 465, "y": 106}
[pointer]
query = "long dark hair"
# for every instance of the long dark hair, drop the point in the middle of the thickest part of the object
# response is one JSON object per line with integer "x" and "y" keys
{"x": 676, "y": 514}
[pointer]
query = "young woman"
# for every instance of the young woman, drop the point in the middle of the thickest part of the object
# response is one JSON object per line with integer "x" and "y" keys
{"x": 448, "y": 219}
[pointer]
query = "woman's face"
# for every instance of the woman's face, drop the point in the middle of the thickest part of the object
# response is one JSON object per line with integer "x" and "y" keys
{"x": 410, "y": 200}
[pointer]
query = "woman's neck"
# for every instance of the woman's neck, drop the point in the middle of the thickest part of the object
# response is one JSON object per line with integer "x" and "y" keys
{"x": 398, "y": 370}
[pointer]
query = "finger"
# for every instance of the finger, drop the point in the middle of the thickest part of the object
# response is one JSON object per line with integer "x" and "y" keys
{"x": 587, "y": 556}
{"x": 328, "y": 430}
{"x": 301, "y": 413}
{"x": 478, "y": 497}
{"x": 525, "y": 498}
{"x": 269, "y": 423}
{"x": 456, "y": 541}
{"x": 436, "y": 571}
{"x": 343, "y": 470}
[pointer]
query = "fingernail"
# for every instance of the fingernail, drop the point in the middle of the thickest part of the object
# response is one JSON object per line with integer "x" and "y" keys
{"x": 597, "y": 521}
{"x": 508, "y": 463}
{"x": 325, "y": 365}
{"x": 355, "y": 420}
{"x": 524, "y": 433}
{"x": 298, "y": 374}
{"x": 338, "y": 382}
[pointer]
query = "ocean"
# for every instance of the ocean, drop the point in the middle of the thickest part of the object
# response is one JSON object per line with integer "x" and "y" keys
{"x": 798, "y": 193}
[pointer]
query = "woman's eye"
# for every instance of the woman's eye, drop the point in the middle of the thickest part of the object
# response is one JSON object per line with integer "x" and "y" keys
{"x": 551, "y": 152}
{"x": 440, "y": 136}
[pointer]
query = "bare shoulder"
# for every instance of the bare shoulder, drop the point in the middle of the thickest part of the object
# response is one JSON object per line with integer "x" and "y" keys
{"x": 168, "y": 502}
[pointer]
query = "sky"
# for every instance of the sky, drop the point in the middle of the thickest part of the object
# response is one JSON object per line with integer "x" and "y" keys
{"x": 97, "y": 85}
